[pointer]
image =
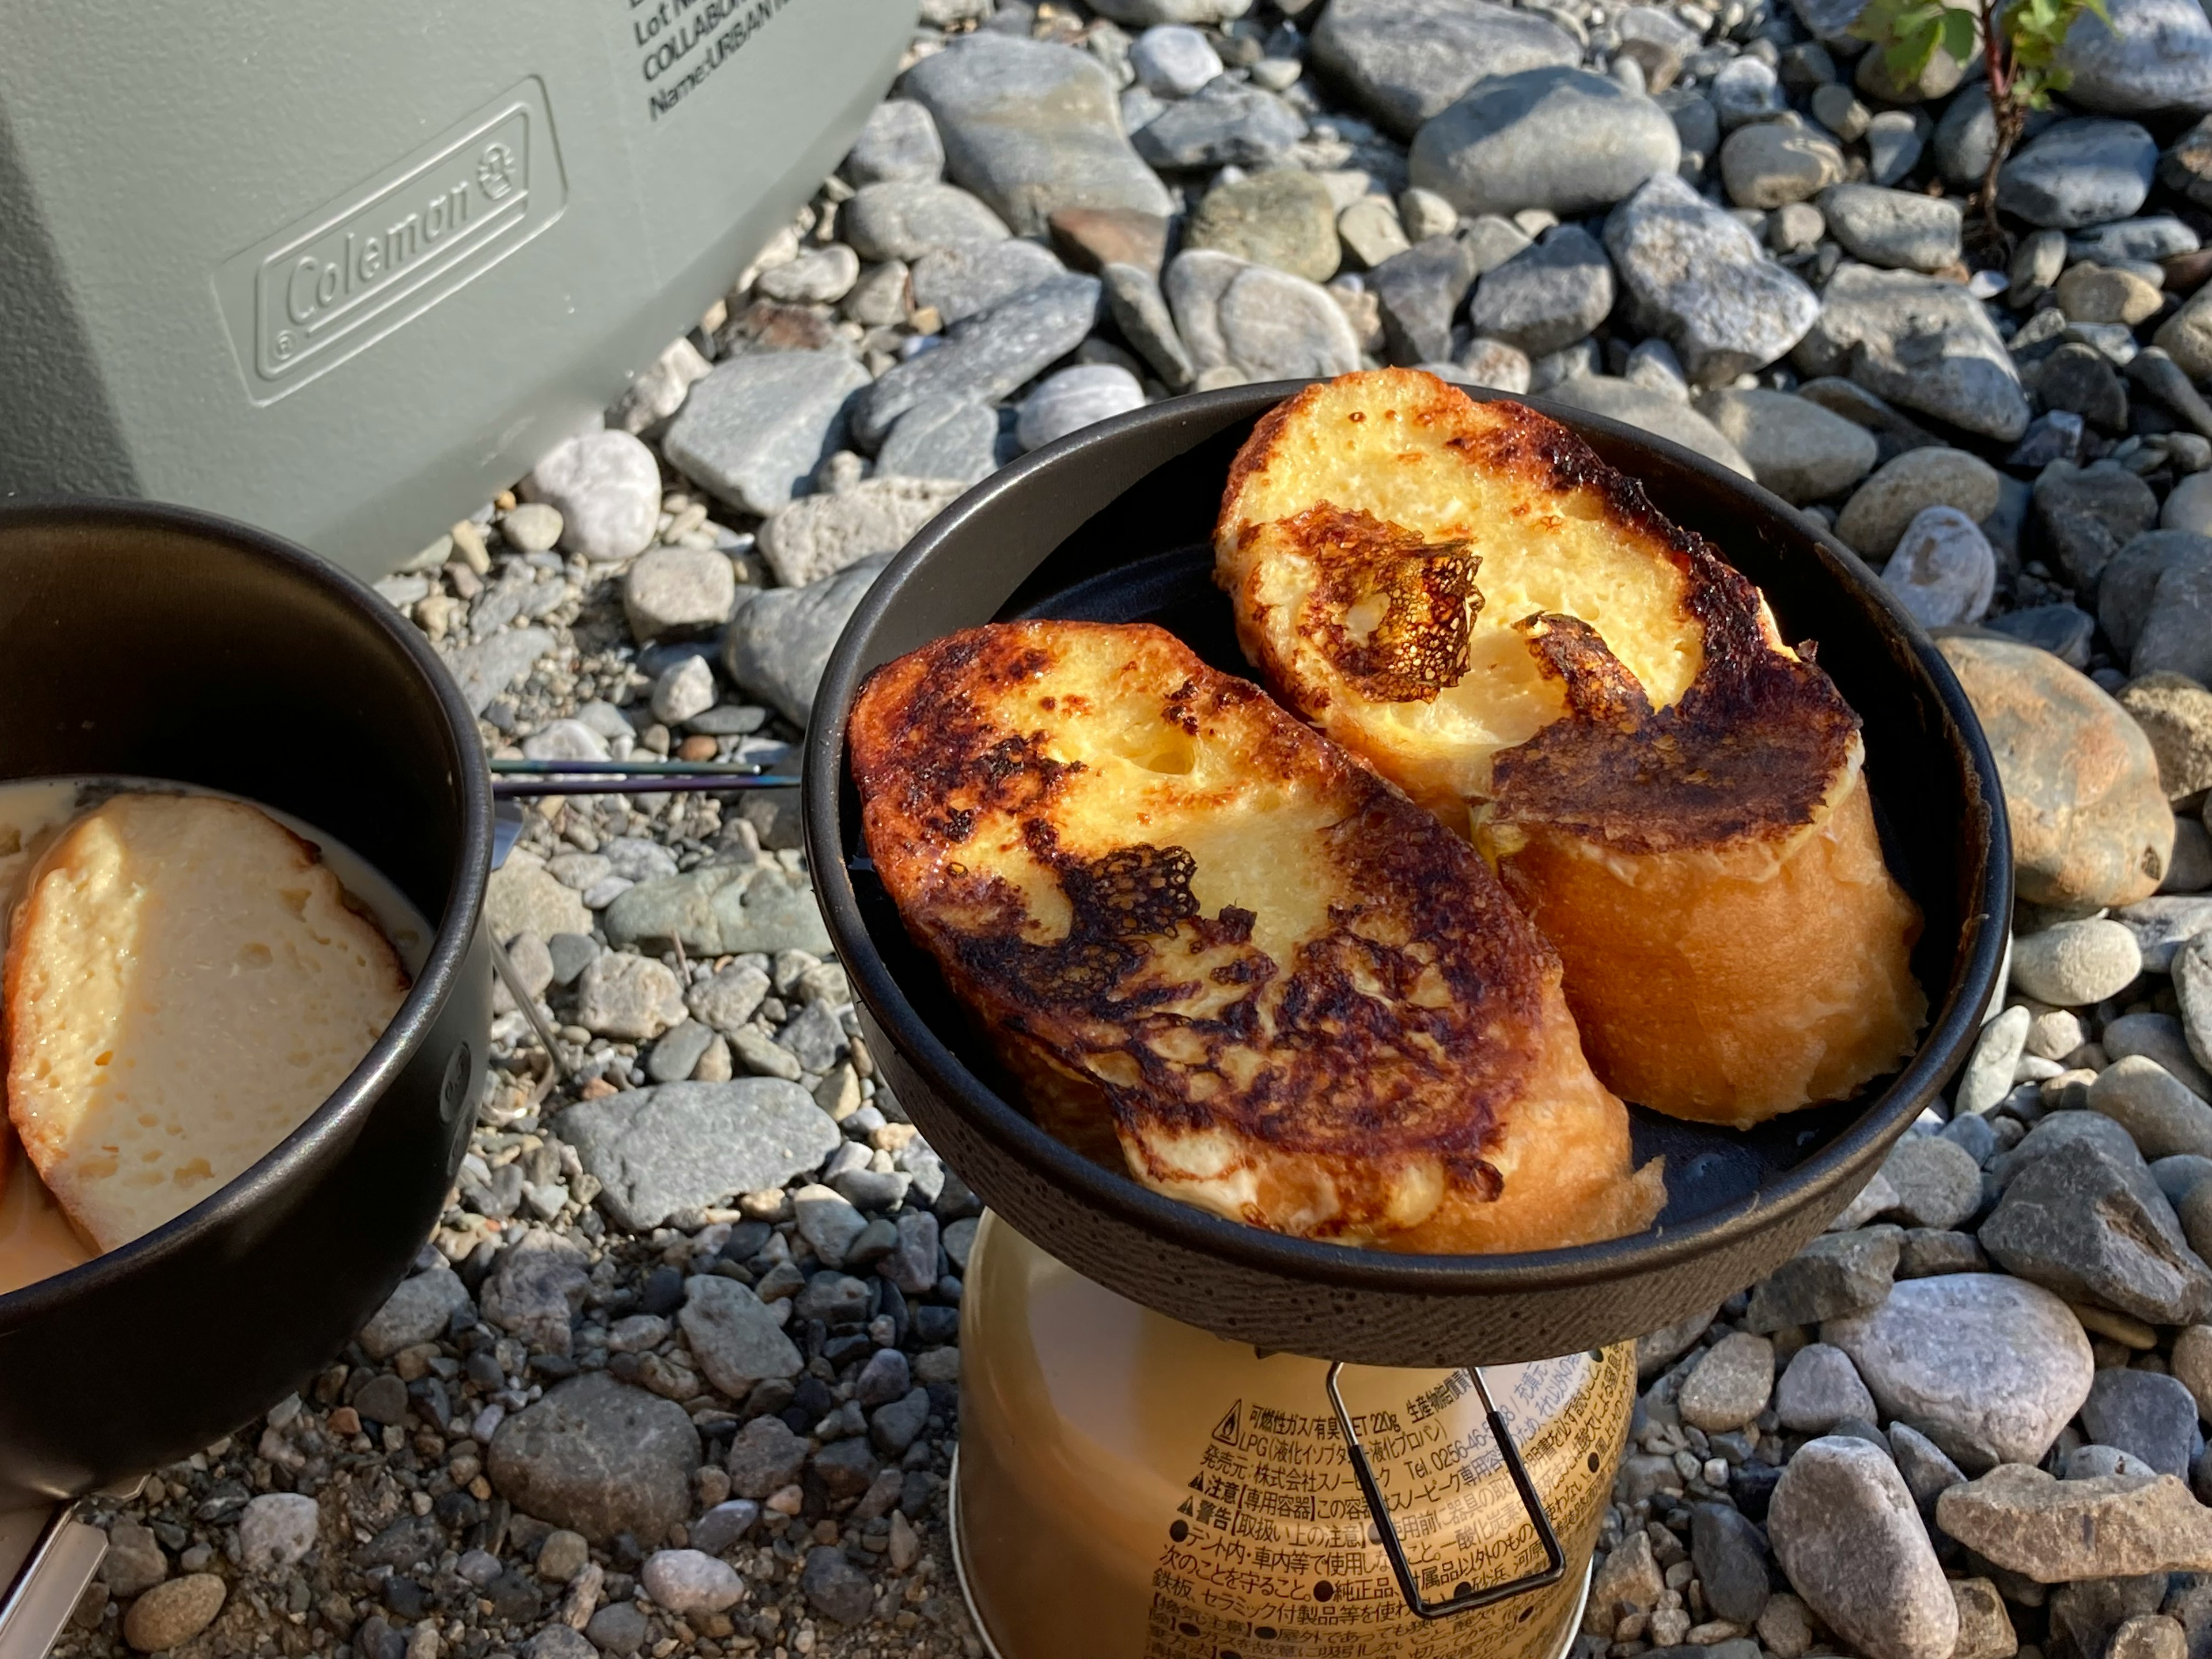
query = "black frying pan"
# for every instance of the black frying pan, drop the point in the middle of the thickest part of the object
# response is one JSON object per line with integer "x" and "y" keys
{"x": 1115, "y": 523}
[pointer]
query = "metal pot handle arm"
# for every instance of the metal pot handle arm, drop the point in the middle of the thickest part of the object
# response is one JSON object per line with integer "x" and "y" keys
{"x": 1465, "y": 1598}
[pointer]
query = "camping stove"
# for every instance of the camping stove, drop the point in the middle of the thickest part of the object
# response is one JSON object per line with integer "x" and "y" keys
{"x": 1129, "y": 1486}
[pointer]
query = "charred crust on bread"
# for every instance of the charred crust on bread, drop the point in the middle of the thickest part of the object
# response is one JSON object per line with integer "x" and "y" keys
{"x": 1750, "y": 752}
{"x": 1407, "y": 1023}
{"x": 1424, "y": 593}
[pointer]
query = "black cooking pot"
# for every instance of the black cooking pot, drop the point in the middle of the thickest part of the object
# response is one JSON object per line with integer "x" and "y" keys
{"x": 1116, "y": 524}
{"x": 164, "y": 643}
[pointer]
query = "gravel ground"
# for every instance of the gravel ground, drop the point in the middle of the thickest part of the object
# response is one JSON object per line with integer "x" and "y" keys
{"x": 679, "y": 1370}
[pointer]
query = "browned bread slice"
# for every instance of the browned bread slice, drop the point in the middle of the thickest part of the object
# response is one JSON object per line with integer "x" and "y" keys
{"x": 184, "y": 984}
{"x": 1285, "y": 992}
{"x": 1466, "y": 596}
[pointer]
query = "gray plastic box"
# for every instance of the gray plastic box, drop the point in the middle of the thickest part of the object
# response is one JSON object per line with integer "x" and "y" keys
{"x": 346, "y": 270}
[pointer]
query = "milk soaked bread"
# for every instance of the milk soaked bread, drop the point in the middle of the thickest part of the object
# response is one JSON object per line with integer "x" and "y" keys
{"x": 1207, "y": 939}
{"x": 1468, "y": 598}
{"x": 184, "y": 985}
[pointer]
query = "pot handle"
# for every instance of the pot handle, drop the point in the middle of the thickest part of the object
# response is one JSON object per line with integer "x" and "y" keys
{"x": 1465, "y": 1598}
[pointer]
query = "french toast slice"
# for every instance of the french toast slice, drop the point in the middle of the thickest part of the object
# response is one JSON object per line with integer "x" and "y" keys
{"x": 1464, "y": 595}
{"x": 184, "y": 985}
{"x": 1201, "y": 933}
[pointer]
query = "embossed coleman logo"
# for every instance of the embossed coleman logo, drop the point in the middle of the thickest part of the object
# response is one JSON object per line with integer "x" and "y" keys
{"x": 351, "y": 272}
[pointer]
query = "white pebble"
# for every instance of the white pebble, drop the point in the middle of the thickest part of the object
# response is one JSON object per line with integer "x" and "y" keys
{"x": 1173, "y": 60}
{"x": 276, "y": 1530}
{"x": 687, "y": 1582}
{"x": 2075, "y": 963}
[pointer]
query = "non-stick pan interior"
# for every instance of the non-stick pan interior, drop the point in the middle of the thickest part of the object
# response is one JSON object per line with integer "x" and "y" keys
{"x": 1144, "y": 555}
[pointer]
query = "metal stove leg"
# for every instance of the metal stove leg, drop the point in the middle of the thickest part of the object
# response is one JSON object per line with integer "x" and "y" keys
{"x": 37, "y": 1601}
{"x": 1465, "y": 1598}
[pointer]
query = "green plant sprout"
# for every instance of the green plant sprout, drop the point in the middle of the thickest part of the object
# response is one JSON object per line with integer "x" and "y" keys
{"x": 2019, "y": 42}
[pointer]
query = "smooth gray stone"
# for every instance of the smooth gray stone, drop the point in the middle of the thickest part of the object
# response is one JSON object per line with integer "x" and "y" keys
{"x": 1226, "y": 125}
{"x": 2162, "y": 925}
{"x": 2156, "y": 56}
{"x": 2064, "y": 630}
{"x": 1897, "y": 230}
{"x": 2083, "y": 172}
{"x": 685, "y": 1145}
{"x": 898, "y": 144}
{"x": 1847, "y": 1532}
{"x": 905, "y": 219}
{"x": 1418, "y": 293}
{"x": 1548, "y": 297}
{"x": 598, "y": 1457}
{"x": 2131, "y": 595}
{"x": 943, "y": 438}
{"x": 1407, "y": 60}
{"x": 2145, "y": 1414}
{"x": 986, "y": 357}
{"x": 1699, "y": 277}
{"x": 1918, "y": 342}
{"x": 1032, "y": 128}
{"x": 757, "y": 428}
{"x": 2161, "y": 236}
{"x": 734, "y": 1336}
{"x": 1988, "y": 1368}
{"x": 1654, "y": 411}
{"x": 971, "y": 276}
{"x": 2078, "y": 1222}
{"x": 1561, "y": 139}
{"x": 1139, "y": 310}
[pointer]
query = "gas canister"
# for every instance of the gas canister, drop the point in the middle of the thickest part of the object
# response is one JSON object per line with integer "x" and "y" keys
{"x": 1131, "y": 1487}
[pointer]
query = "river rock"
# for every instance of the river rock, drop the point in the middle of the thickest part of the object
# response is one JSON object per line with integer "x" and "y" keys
{"x": 1226, "y": 125}
{"x": 1920, "y": 343}
{"x": 606, "y": 487}
{"x": 720, "y": 909}
{"x": 945, "y": 438}
{"x": 2152, "y": 599}
{"x": 1820, "y": 1388}
{"x": 276, "y": 1530}
{"x": 418, "y": 1311}
{"x": 598, "y": 1457}
{"x": 1699, "y": 277}
{"x": 678, "y": 593}
{"x": 2187, "y": 335}
{"x": 1173, "y": 60}
{"x": 959, "y": 281}
{"x": 2175, "y": 712}
{"x": 1654, "y": 411}
{"x": 1898, "y": 229}
{"x": 1285, "y": 219}
{"x": 1771, "y": 164}
{"x": 2157, "y": 55}
{"x": 1937, "y": 1181}
{"x": 684, "y": 1146}
{"x": 1988, "y": 1368}
{"x": 170, "y": 1614}
{"x": 986, "y": 357}
{"x": 2075, "y": 963}
{"x": 1794, "y": 447}
{"x": 1834, "y": 1275}
{"x": 1560, "y": 138}
{"x": 2087, "y": 514}
{"x": 2089, "y": 821}
{"x": 1074, "y": 398}
{"x": 2149, "y": 1417}
{"x": 1548, "y": 297}
{"x": 898, "y": 142}
{"x": 2163, "y": 1117}
{"x": 525, "y": 897}
{"x": 2083, "y": 172}
{"x": 1942, "y": 571}
{"x": 1418, "y": 293}
{"x": 1729, "y": 1385}
{"x": 1875, "y": 517}
{"x": 1033, "y": 127}
{"x": 779, "y": 641}
{"x": 690, "y": 1583}
{"x": 755, "y": 430}
{"x": 2079, "y": 1222}
{"x": 735, "y": 1337}
{"x": 905, "y": 219}
{"x": 2056, "y": 1531}
{"x": 817, "y": 535}
{"x": 2159, "y": 1038}
{"x": 1846, "y": 1532}
{"x": 1260, "y": 323}
{"x": 630, "y": 997}
{"x": 1407, "y": 60}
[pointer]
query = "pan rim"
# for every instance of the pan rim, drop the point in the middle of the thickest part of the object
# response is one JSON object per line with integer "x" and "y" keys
{"x": 1317, "y": 1264}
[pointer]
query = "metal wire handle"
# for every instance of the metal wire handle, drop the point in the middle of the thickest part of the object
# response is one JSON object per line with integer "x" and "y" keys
{"x": 1465, "y": 1598}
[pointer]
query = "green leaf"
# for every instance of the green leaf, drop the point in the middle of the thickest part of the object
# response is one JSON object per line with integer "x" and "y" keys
{"x": 1958, "y": 34}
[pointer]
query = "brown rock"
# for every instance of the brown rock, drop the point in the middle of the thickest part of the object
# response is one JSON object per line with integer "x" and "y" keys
{"x": 170, "y": 1614}
{"x": 2175, "y": 713}
{"x": 1285, "y": 219}
{"x": 1984, "y": 1627}
{"x": 2090, "y": 825}
{"x": 1090, "y": 238}
{"x": 1628, "y": 1584}
{"x": 2057, "y": 1531}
